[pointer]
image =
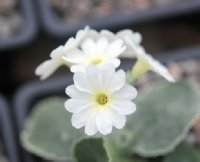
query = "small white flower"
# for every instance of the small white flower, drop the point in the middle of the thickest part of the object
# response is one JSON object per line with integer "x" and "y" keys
{"x": 135, "y": 37}
{"x": 46, "y": 68}
{"x": 97, "y": 53}
{"x": 146, "y": 62}
{"x": 100, "y": 99}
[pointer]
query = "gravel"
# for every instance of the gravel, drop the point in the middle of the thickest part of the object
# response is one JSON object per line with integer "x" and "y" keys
{"x": 74, "y": 11}
{"x": 11, "y": 20}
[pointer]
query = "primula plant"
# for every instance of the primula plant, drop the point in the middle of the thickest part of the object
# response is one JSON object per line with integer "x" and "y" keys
{"x": 104, "y": 118}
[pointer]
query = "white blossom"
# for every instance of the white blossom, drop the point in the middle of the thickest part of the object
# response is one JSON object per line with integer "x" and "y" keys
{"x": 97, "y": 53}
{"x": 74, "y": 44}
{"x": 146, "y": 62}
{"x": 135, "y": 37}
{"x": 100, "y": 99}
{"x": 56, "y": 60}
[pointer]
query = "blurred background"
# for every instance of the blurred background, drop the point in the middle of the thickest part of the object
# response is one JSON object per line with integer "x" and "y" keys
{"x": 31, "y": 29}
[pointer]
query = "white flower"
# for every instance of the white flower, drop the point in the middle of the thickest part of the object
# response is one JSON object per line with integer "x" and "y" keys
{"x": 98, "y": 53}
{"x": 146, "y": 62}
{"x": 45, "y": 69}
{"x": 135, "y": 37}
{"x": 100, "y": 99}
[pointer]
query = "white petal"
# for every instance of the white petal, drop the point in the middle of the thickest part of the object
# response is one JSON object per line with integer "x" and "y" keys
{"x": 102, "y": 44}
{"x": 76, "y": 105}
{"x": 57, "y": 53}
{"x": 81, "y": 82}
{"x": 168, "y": 77}
{"x": 79, "y": 119}
{"x": 81, "y": 34}
{"x": 104, "y": 124}
{"x": 118, "y": 120}
{"x": 126, "y": 92}
{"x": 108, "y": 73}
{"x": 75, "y": 57}
{"x": 133, "y": 49}
{"x": 107, "y": 34}
{"x": 73, "y": 92}
{"x": 94, "y": 76}
{"x": 124, "y": 107}
{"x": 118, "y": 81}
{"x": 70, "y": 44}
{"x": 135, "y": 37}
{"x": 47, "y": 68}
{"x": 88, "y": 46}
{"x": 78, "y": 68}
{"x": 161, "y": 70}
{"x": 154, "y": 65}
{"x": 93, "y": 34}
{"x": 114, "y": 61}
{"x": 115, "y": 49}
{"x": 90, "y": 126}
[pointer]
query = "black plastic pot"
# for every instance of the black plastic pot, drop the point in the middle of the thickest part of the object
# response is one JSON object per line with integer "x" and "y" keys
{"x": 28, "y": 31}
{"x": 31, "y": 93}
{"x": 7, "y": 133}
{"x": 60, "y": 29}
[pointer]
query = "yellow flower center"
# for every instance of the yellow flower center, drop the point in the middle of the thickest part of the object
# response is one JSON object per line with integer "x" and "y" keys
{"x": 102, "y": 99}
{"x": 96, "y": 61}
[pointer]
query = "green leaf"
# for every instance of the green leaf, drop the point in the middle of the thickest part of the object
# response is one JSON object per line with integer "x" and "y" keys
{"x": 117, "y": 154}
{"x": 184, "y": 153}
{"x": 164, "y": 116}
{"x": 91, "y": 149}
{"x": 49, "y": 132}
{"x": 99, "y": 150}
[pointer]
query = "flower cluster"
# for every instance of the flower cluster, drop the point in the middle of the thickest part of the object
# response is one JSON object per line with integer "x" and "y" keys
{"x": 100, "y": 98}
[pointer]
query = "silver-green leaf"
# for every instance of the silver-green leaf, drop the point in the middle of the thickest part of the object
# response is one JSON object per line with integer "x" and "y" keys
{"x": 184, "y": 153}
{"x": 118, "y": 154}
{"x": 49, "y": 133}
{"x": 163, "y": 118}
{"x": 91, "y": 149}
{"x": 101, "y": 150}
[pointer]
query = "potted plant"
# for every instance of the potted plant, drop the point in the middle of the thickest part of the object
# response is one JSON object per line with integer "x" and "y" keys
{"x": 49, "y": 132}
{"x": 8, "y": 149}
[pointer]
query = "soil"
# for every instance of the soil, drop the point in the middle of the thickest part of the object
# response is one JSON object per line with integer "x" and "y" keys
{"x": 11, "y": 19}
{"x": 74, "y": 11}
